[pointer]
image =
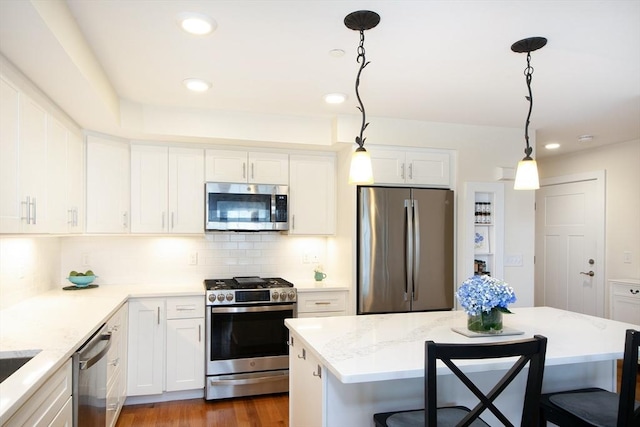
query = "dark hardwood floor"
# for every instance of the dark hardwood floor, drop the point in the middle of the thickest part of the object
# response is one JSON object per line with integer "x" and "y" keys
{"x": 258, "y": 411}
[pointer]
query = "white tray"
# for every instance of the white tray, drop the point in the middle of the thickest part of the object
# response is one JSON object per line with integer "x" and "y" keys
{"x": 472, "y": 334}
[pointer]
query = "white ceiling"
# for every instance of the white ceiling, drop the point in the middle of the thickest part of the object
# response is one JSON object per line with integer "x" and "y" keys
{"x": 436, "y": 61}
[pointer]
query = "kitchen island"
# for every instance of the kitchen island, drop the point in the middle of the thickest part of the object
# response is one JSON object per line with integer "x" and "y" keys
{"x": 345, "y": 369}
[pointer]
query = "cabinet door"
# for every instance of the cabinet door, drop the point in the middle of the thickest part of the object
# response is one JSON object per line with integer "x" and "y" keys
{"x": 146, "y": 346}
{"x": 75, "y": 183}
{"x": 226, "y": 166}
{"x": 313, "y": 195}
{"x": 149, "y": 183}
{"x": 388, "y": 166}
{"x": 108, "y": 186}
{"x": 185, "y": 354}
{"x": 427, "y": 168}
{"x": 186, "y": 190}
{"x": 10, "y": 196}
{"x": 33, "y": 164}
{"x": 268, "y": 168}
{"x": 57, "y": 170}
{"x": 305, "y": 387}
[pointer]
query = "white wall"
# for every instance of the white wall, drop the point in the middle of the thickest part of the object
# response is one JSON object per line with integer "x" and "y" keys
{"x": 159, "y": 260}
{"x": 621, "y": 163}
{"x": 28, "y": 266}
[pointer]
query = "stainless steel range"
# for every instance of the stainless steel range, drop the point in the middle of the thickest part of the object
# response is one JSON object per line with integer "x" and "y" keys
{"x": 246, "y": 340}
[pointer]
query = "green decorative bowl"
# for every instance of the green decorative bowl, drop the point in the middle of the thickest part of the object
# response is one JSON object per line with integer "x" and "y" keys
{"x": 81, "y": 281}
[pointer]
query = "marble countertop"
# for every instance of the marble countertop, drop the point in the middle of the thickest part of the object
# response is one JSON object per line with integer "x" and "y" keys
{"x": 391, "y": 346}
{"x": 57, "y": 323}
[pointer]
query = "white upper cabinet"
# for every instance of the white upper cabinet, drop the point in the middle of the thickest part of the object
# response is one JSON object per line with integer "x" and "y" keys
{"x": 108, "y": 186}
{"x": 410, "y": 166}
{"x": 23, "y": 151}
{"x": 250, "y": 167}
{"x": 65, "y": 177}
{"x": 167, "y": 189}
{"x": 10, "y": 195}
{"x": 41, "y": 164}
{"x": 312, "y": 195}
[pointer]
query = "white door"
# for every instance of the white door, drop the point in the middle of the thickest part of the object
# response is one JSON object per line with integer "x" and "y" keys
{"x": 570, "y": 243}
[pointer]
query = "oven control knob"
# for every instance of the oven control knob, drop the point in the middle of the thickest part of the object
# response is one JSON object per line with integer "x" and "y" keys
{"x": 229, "y": 297}
{"x": 283, "y": 296}
{"x": 292, "y": 295}
{"x": 212, "y": 297}
{"x": 220, "y": 297}
{"x": 275, "y": 295}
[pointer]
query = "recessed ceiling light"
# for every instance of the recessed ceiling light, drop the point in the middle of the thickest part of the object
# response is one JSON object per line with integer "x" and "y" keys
{"x": 585, "y": 138}
{"x": 336, "y": 53}
{"x": 335, "y": 98}
{"x": 196, "y": 23}
{"x": 552, "y": 146}
{"x": 196, "y": 85}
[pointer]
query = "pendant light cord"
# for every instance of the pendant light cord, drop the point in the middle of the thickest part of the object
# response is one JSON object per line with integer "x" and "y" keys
{"x": 528, "y": 72}
{"x": 361, "y": 59}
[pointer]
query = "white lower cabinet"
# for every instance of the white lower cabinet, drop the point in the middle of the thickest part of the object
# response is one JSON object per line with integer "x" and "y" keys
{"x": 322, "y": 303}
{"x": 50, "y": 405}
{"x": 166, "y": 345}
{"x": 146, "y": 346}
{"x": 625, "y": 300}
{"x": 306, "y": 385}
{"x": 185, "y": 343}
{"x": 117, "y": 365}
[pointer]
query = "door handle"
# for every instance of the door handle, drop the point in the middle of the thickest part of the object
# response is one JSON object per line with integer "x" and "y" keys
{"x": 590, "y": 273}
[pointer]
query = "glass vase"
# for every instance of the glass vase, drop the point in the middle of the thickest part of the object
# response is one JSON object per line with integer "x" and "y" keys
{"x": 485, "y": 321}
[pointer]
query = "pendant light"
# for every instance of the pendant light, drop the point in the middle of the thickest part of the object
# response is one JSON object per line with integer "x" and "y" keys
{"x": 527, "y": 172}
{"x": 360, "y": 171}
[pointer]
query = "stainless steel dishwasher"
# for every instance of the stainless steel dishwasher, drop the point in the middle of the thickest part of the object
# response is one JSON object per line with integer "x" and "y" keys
{"x": 90, "y": 380}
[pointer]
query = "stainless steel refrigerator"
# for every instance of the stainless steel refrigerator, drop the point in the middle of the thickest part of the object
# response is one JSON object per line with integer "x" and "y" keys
{"x": 405, "y": 249}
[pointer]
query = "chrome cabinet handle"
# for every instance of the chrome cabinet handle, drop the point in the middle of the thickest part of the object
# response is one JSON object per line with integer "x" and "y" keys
{"x": 590, "y": 273}
{"x": 304, "y": 354}
{"x": 163, "y": 213}
{"x": 35, "y": 215}
{"x": 402, "y": 171}
{"x": 125, "y": 219}
{"x": 410, "y": 170}
{"x": 172, "y": 220}
{"x": 252, "y": 173}
{"x": 244, "y": 170}
{"x": 158, "y": 315}
{"x": 199, "y": 333}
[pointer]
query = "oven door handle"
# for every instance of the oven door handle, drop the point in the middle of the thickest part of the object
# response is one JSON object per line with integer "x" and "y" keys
{"x": 253, "y": 309}
{"x": 245, "y": 381}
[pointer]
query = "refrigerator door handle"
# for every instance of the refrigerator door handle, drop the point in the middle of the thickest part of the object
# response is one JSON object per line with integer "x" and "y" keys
{"x": 408, "y": 248}
{"x": 416, "y": 249}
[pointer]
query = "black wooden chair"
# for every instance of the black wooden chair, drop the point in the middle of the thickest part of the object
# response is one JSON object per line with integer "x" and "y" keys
{"x": 531, "y": 351}
{"x": 591, "y": 407}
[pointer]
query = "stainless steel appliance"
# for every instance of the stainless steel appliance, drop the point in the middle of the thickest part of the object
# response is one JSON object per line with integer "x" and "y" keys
{"x": 90, "y": 380}
{"x": 405, "y": 249}
{"x": 246, "y": 341}
{"x": 246, "y": 207}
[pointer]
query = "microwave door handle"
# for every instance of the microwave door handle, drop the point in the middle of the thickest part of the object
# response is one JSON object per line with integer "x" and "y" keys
{"x": 408, "y": 245}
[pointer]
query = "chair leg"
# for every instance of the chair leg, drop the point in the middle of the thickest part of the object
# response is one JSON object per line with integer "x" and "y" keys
{"x": 542, "y": 421}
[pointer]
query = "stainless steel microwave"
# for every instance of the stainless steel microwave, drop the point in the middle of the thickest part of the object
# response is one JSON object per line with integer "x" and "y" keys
{"x": 246, "y": 207}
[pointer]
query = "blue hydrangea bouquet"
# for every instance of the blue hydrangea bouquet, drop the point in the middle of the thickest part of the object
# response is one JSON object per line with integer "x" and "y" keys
{"x": 484, "y": 299}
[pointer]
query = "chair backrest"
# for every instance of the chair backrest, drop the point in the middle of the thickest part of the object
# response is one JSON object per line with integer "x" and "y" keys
{"x": 531, "y": 351}
{"x": 627, "y": 415}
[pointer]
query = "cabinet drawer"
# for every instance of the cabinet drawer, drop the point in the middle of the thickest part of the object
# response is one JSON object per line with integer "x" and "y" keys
{"x": 185, "y": 307}
{"x": 42, "y": 408}
{"x": 311, "y": 302}
{"x": 626, "y": 290}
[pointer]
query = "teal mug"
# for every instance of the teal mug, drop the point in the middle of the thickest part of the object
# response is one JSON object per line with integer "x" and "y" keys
{"x": 320, "y": 275}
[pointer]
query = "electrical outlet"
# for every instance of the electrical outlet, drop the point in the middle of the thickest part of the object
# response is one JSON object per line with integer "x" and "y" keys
{"x": 86, "y": 259}
{"x": 306, "y": 257}
{"x": 626, "y": 257}
{"x": 193, "y": 258}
